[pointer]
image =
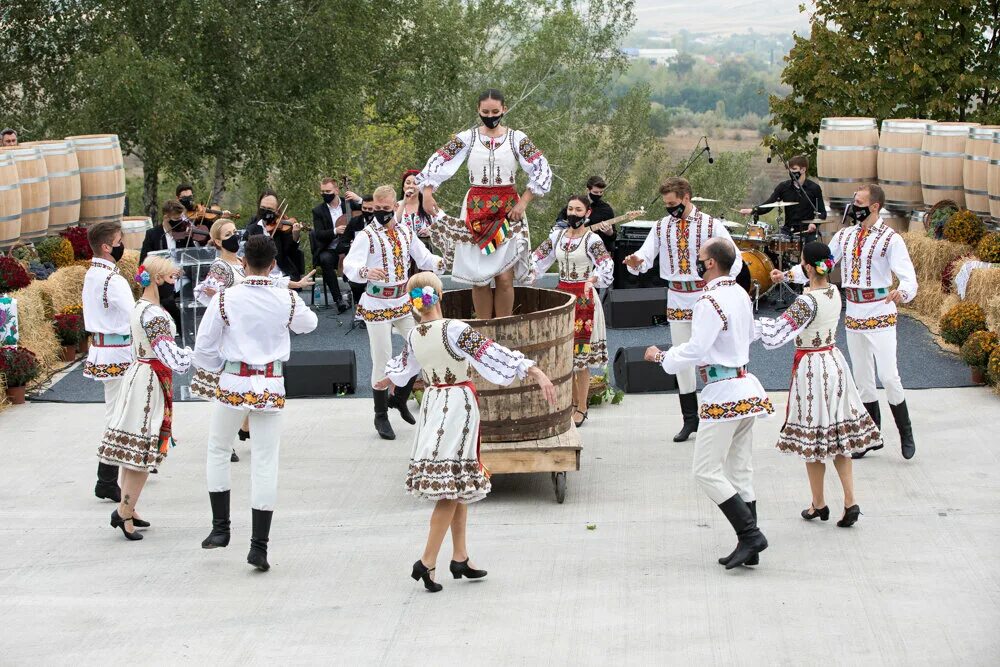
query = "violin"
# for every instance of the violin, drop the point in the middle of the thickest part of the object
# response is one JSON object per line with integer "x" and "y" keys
{"x": 283, "y": 222}
{"x": 340, "y": 224}
{"x": 186, "y": 230}
{"x": 209, "y": 214}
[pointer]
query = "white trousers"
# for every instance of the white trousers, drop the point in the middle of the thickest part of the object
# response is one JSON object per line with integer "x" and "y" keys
{"x": 111, "y": 391}
{"x": 871, "y": 350}
{"x": 264, "y": 445}
{"x": 723, "y": 453}
{"x": 380, "y": 343}
{"x": 680, "y": 332}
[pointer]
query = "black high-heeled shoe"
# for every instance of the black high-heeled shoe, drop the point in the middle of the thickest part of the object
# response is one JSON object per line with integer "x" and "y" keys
{"x": 118, "y": 522}
{"x": 851, "y": 515}
{"x": 421, "y": 571}
{"x": 244, "y": 435}
{"x": 811, "y": 513}
{"x": 578, "y": 424}
{"x": 459, "y": 570}
{"x": 140, "y": 523}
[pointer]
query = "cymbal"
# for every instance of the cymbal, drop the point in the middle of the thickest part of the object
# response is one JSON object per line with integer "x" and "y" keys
{"x": 779, "y": 204}
{"x": 730, "y": 224}
{"x": 703, "y": 199}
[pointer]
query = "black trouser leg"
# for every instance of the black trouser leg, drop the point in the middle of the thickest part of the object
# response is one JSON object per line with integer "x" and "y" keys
{"x": 328, "y": 262}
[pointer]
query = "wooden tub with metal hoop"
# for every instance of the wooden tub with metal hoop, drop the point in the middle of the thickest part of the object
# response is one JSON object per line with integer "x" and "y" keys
{"x": 520, "y": 431}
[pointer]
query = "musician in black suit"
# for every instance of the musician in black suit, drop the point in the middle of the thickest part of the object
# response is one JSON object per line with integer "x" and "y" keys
{"x": 291, "y": 261}
{"x": 808, "y": 198}
{"x": 329, "y": 239}
{"x": 600, "y": 211}
{"x": 174, "y": 231}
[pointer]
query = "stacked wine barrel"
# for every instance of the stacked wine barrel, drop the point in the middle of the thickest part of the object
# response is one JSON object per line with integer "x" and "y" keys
{"x": 48, "y": 186}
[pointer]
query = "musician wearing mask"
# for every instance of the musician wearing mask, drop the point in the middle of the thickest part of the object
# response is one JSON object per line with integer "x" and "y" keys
{"x": 676, "y": 240}
{"x": 285, "y": 232}
{"x": 380, "y": 256}
{"x": 330, "y": 219}
{"x": 600, "y": 211}
{"x": 808, "y": 198}
{"x": 173, "y": 232}
{"x": 872, "y": 257}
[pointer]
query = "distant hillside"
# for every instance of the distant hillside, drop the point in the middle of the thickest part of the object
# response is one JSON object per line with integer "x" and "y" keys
{"x": 721, "y": 17}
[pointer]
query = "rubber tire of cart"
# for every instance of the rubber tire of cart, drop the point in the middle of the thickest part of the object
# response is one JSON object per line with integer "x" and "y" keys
{"x": 559, "y": 484}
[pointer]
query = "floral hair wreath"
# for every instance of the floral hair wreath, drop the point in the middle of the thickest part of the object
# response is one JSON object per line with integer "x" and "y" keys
{"x": 424, "y": 297}
{"x": 824, "y": 266}
{"x": 142, "y": 276}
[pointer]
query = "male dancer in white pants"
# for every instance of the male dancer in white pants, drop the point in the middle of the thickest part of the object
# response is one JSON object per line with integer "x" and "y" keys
{"x": 107, "y": 312}
{"x": 380, "y": 256}
{"x": 721, "y": 332}
{"x": 676, "y": 240}
{"x": 244, "y": 337}
{"x": 870, "y": 253}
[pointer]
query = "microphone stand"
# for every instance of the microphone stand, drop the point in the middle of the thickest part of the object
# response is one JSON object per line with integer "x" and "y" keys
{"x": 696, "y": 153}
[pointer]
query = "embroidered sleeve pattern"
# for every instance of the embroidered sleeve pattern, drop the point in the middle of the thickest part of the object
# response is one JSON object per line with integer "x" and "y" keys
{"x": 528, "y": 150}
{"x": 776, "y": 332}
{"x": 473, "y": 343}
{"x": 493, "y": 361}
{"x": 158, "y": 329}
{"x": 452, "y": 148}
{"x": 718, "y": 309}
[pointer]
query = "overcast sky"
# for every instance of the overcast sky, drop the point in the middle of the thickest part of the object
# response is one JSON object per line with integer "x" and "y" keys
{"x": 721, "y": 16}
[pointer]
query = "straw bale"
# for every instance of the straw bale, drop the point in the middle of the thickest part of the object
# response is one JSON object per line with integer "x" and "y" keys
{"x": 34, "y": 315}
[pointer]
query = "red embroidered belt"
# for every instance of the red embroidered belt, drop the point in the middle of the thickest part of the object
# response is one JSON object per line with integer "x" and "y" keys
{"x": 855, "y": 295}
{"x": 272, "y": 370}
{"x": 110, "y": 340}
{"x": 386, "y": 292}
{"x": 687, "y": 285}
{"x": 472, "y": 387}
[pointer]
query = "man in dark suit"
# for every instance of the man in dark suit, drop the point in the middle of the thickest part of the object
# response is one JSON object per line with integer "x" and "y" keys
{"x": 329, "y": 238}
{"x": 174, "y": 231}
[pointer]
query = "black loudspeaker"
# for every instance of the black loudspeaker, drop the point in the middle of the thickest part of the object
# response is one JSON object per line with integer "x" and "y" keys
{"x": 634, "y": 308}
{"x": 321, "y": 373}
{"x": 624, "y": 279}
{"x": 635, "y": 375}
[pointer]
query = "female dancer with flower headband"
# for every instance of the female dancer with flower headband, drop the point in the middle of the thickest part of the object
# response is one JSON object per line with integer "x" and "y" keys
{"x": 139, "y": 434}
{"x": 825, "y": 418}
{"x": 444, "y": 464}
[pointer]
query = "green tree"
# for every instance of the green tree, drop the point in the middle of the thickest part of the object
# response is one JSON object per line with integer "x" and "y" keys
{"x": 682, "y": 65}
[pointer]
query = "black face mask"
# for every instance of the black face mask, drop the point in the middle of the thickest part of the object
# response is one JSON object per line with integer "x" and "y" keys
{"x": 575, "y": 221}
{"x": 266, "y": 215}
{"x": 794, "y": 175}
{"x": 676, "y": 211}
{"x": 859, "y": 213}
{"x": 178, "y": 225}
{"x": 329, "y": 197}
{"x": 232, "y": 244}
{"x": 384, "y": 217}
{"x": 188, "y": 202}
{"x": 117, "y": 252}
{"x": 368, "y": 217}
{"x": 700, "y": 268}
{"x": 595, "y": 198}
{"x": 491, "y": 122}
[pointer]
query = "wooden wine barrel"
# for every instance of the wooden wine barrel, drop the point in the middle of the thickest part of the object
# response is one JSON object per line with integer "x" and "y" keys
{"x": 993, "y": 177}
{"x": 846, "y": 157}
{"x": 64, "y": 183}
{"x": 899, "y": 146}
{"x": 102, "y": 177}
{"x": 942, "y": 158}
{"x": 897, "y": 220}
{"x": 134, "y": 230}
{"x": 33, "y": 181}
{"x": 974, "y": 170}
{"x": 542, "y": 329}
{"x": 10, "y": 201}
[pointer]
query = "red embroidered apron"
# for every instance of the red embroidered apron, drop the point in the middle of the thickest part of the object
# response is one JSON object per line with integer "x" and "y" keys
{"x": 583, "y": 325}
{"x": 166, "y": 379}
{"x": 486, "y": 210}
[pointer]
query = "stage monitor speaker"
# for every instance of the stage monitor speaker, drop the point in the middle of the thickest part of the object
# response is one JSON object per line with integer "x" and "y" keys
{"x": 635, "y": 375}
{"x": 634, "y": 308}
{"x": 321, "y": 373}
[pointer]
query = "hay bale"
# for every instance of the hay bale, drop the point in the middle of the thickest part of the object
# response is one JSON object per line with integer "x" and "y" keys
{"x": 992, "y": 309}
{"x": 65, "y": 286}
{"x": 984, "y": 284}
{"x": 931, "y": 257}
{"x": 4, "y": 403}
{"x": 37, "y": 332}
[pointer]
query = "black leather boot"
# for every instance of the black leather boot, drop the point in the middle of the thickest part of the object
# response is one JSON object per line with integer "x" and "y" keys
{"x": 753, "y": 560}
{"x": 258, "y": 542}
{"x": 219, "y": 537}
{"x": 107, "y": 483}
{"x": 902, "y": 416}
{"x": 876, "y": 415}
{"x": 400, "y": 397}
{"x": 750, "y": 540}
{"x": 382, "y": 424}
{"x": 689, "y": 409}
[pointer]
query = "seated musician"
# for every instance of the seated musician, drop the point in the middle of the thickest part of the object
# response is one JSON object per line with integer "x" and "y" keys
{"x": 198, "y": 213}
{"x": 808, "y": 198}
{"x": 286, "y": 234}
{"x": 174, "y": 231}
{"x": 334, "y": 210}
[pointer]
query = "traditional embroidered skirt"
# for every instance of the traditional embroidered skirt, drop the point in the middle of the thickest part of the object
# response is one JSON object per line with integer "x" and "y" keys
{"x": 204, "y": 383}
{"x": 139, "y": 434}
{"x": 499, "y": 245}
{"x": 590, "y": 338}
{"x": 825, "y": 415}
{"x": 444, "y": 463}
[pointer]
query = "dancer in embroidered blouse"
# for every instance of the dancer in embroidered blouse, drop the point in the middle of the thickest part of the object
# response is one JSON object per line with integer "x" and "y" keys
{"x": 139, "y": 434}
{"x": 676, "y": 240}
{"x": 825, "y": 418}
{"x": 107, "y": 306}
{"x": 584, "y": 266}
{"x": 871, "y": 253}
{"x": 493, "y": 243}
{"x": 722, "y": 329}
{"x": 412, "y": 213}
{"x": 244, "y": 337}
{"x": 444, "y": 464}
{"x": 380, "y": 256}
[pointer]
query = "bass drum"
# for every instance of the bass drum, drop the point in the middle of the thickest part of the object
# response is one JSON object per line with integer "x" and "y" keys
{"x": 759, "y": 267}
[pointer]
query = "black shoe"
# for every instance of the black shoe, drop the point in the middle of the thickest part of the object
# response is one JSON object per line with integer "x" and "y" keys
{"x": 750, "y": 540}
{"x": 578, "y": 424}
{"x": 420, "y": 571}
{"x": 822, "y": 512}
{"x": 118, "y": 522}
{"x": 258, "y": 542}
{"x": 107, "y": 483}
{"x": 219, "y": 537}
{"x": 689, "y": 410}
{"x": 140, "y": 523}
{"x": 902, "y": 416}
{"x": 753, "y": 560}
{"x": 234, "y": 457}
{"x": 342, "y": 308}
{"x": 860, "y": 455}
{"x": 399, "y": 399}
{"x": 244, "y": 435}
{"x": 850, "y": 517}
{"x": 382, "y": 424}
{"x": 459, "y": 570}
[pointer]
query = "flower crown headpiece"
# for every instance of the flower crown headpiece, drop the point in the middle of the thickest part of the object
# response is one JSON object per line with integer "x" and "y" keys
{"x": 142, "y": 276}
{"x": 824, "y": 266}
{"x": 424, "y": 297}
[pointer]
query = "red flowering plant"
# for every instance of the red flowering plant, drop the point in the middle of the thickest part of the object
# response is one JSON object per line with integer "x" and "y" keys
{"x": 77, "y": 237}
{"x": 18, "y": 365}
{"x": 13, "y": 275}
{"x": 69, "y": 328}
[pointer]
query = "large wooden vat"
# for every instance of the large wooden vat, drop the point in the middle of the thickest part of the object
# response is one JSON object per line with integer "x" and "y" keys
{"x": 134, "y": 230}
{"x": 974, "y": 171}
{"x": 541, "y": 328}
{"x": 846, "y": 157}
{"x": 942, "y": 158}
{"x": 993, "y": 177}
{"x": 102, "y": 177}
{"x": 33, "y": 181}
{"x": 10, "y": 201}
{"x": 899, "y": 146}
{"x": 64, "y": 183}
